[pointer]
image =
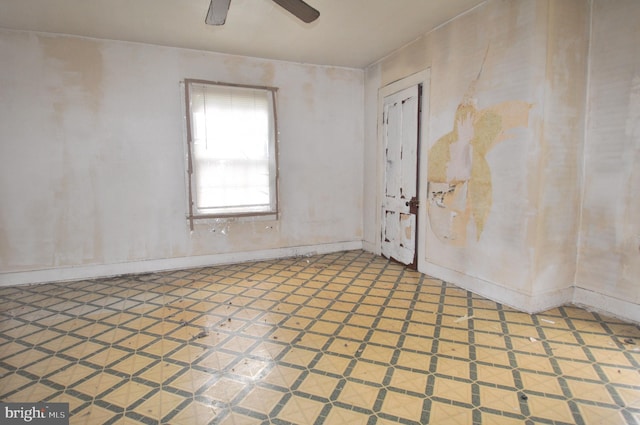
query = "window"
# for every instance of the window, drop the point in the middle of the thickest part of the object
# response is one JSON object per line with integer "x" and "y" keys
{"x": 231, "y": 150}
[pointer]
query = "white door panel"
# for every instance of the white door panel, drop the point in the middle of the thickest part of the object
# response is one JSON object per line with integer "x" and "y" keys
{"x": 400, "y": 137}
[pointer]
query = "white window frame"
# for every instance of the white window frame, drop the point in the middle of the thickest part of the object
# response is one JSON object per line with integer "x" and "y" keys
{"x": 194, "y": 213}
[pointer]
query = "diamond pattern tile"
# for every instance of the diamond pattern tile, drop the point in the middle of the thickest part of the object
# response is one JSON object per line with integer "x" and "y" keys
{"x": 341, "y": 338}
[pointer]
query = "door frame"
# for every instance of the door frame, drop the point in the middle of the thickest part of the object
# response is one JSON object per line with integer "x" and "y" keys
{"x": 419, "y": 78}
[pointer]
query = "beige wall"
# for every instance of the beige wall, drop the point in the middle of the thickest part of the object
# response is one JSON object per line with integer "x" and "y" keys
{"x": 559, "y": 170}
{"x": 608, "y": 274}
{"x": 92, "y": 176}
{"x": 519, "y": 240}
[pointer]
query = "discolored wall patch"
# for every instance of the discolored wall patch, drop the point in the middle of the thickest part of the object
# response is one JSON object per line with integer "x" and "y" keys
{"x": 459, "y": 176}
{"x": 81, "y": 65}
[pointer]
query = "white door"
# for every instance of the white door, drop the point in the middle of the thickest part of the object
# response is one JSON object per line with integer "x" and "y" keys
{"x": 401, "y": 132}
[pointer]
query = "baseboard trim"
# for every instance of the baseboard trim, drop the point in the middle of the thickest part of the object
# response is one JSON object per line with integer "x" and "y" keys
{"x": 147, "y": 266}
{"x": 513, "y": 298}
{"x": 605, "y": 304}
{"x": 370, "y": 247}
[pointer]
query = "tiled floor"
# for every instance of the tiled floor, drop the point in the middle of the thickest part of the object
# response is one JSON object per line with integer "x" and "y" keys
{"x": 345, "y": 338}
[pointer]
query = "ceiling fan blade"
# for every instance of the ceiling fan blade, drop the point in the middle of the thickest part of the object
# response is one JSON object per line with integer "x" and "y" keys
{"x": 300, "y": 9}
{"x": 217, "y": 13}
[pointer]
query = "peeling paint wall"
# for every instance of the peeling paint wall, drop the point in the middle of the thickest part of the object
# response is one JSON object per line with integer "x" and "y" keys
{"x": 92, "y": 156}
{"x": 608, "y": 273}
{"x": 506, "y": 132}
{"x": 483, "y": 130}
{"x": 460, "y": 190}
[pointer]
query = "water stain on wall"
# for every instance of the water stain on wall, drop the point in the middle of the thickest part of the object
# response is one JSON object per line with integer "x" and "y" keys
{"x": 75, "y": 73}
{"x": 81, "y": 64}
{"x": 268, "y": 74}
{"x": 459, "y": 176}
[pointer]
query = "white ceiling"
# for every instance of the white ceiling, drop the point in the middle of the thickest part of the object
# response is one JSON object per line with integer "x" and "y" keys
{"x": 350, "y": 33}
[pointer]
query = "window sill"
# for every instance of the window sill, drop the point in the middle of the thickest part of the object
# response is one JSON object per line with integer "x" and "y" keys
{"x": 231, "y": 218}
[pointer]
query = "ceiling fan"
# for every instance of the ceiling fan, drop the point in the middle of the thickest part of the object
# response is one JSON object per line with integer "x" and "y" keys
{"x": 217, "y": 13}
